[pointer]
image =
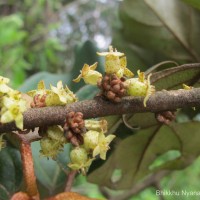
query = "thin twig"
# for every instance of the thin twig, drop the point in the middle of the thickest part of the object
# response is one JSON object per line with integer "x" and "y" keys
{"x": 158, "y": 187}
{"x": 28, "y": 168}
{"x": 104, "y": 192}
{"x": 160, "y": 101}
{"x": 70, "y": 180}
{"x": 150, "y": 181}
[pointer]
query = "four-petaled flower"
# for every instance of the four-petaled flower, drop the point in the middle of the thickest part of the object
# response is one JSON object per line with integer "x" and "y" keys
{"x": 12, "y": 108}
{"x": 103, "y": 145}
{"x": 89, "y": 74}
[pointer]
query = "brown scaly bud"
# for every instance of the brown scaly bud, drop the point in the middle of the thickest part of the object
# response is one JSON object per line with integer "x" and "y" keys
{"x": 74, "y": 128}
{"x": 165, "y": 117}
{"x": 38, "y": 101}
{"x": 112, "y": 87}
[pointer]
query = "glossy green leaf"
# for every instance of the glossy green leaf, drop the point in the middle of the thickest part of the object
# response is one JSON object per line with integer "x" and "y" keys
{"x": 10, "y": 171}
{"x": 173, "y": 78}
{"x": 136, "y": 153}
{"x": 157, "y": 30}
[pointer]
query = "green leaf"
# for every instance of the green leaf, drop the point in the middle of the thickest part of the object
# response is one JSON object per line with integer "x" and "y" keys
{"x": 49, "y": 173}
{"x": 158, "y": 27}
{"x": 87, "y": 92}
{"x": 49, "y": 78}
{"x": 10, "y": 171}
{"x": 173, "y": 78}
{"x": 194, "y": 3}
{"x": 136, "y": 154}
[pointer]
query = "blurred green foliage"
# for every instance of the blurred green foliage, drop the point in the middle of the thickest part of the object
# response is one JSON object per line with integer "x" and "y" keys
{"x": 25, "y": 42}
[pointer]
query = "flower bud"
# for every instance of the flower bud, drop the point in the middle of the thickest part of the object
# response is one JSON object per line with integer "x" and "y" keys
{"x": 79, "y": 160}
{"x": 78, "y": 156}
{"x": 91, "y": 139}
{"x": 140, "y": 87}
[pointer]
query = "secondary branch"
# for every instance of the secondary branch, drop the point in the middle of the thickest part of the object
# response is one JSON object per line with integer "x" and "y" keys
{"x": 98, "y": 107}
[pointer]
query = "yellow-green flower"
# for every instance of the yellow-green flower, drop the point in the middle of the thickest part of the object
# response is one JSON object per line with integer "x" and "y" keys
{"x": 12, "y": 108}
{"x": 115, "y": 63}
{"x": 3, "y": 85}
{"x": 60, "y": 95}
{"x": 56, "y": 96}
{"x": 89, "y": 74}
{"x": 103, "y": 145}
{"x": 41, "y": 89}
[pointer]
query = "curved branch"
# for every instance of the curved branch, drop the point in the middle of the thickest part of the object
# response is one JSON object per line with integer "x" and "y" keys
{"x": 98, "y": 107}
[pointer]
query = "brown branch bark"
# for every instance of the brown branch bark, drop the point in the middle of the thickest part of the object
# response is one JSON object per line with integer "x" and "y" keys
{"x": 28, "y": 169}
{"x": 160, "y": 101}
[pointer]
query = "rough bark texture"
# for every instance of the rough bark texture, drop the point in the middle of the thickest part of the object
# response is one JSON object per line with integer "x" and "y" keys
{"x": 98, "y": 107}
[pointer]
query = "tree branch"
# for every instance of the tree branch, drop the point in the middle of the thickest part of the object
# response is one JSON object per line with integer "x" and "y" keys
{"x": 98, "y": 107}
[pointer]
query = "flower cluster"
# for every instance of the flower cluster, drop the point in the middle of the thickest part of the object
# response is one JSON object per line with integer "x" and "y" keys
{"x": 113, "y": 85}
{"x": 94, "y": 143}
{"x": 59, "y": 95}
{"x": 12, "y": 105}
